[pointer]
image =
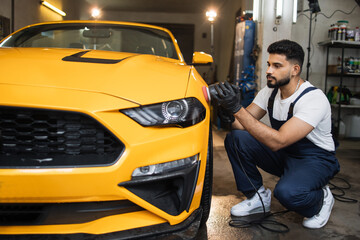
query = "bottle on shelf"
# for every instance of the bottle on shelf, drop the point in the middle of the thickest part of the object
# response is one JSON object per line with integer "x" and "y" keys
{"x": 342, "y": 30}
{"x": 335, "y": 32}
{"x": 357, "y": 34}
{"x": 357, "y": 65}
{"x": 350, "y": 34}
{"x": 351, "y": 65}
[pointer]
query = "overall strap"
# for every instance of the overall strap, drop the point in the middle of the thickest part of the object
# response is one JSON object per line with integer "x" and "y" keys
{"x": 271, "y": 101}
{"x": 291, "y": 108}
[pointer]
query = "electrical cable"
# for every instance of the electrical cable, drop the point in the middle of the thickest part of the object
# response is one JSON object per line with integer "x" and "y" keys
{"x": 340, "y": 197}
{"x": 302, "y": 14}
{"x": 263, "y": 221}
{"x": 339, "y": 11}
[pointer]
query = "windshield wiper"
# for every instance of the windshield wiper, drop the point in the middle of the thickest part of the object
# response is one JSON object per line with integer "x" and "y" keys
{"x": 77, "y": 57}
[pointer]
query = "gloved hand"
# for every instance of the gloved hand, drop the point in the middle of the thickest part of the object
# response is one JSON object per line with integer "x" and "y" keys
{"x": 227, "y": 96}
{"x": 224, "y": 116}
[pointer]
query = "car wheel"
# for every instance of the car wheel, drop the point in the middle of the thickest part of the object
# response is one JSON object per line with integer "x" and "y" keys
{"x": 207, "y": 189}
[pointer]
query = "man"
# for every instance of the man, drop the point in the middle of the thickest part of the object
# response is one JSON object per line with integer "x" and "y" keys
{"x": 298, "y": 147}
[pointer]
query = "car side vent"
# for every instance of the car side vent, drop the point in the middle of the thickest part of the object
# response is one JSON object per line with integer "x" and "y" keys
{"x": 50, "y": 138}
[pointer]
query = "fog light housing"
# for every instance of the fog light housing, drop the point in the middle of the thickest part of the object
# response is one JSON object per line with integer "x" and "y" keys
{"x": 168, "y": 186}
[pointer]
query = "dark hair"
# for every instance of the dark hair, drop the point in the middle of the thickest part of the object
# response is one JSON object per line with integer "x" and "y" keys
{"x": 292, "y": 50}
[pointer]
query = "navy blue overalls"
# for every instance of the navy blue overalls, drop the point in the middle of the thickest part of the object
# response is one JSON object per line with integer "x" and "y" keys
{"x": 303, "y": 167}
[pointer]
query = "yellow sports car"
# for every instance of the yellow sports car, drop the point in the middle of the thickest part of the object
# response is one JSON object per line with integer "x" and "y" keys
{"x": 104, "y": 133}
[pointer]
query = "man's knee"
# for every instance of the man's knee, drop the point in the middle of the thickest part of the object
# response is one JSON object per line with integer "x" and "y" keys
{"x": 292, "y": 197}
{"x": 238, "y": 138}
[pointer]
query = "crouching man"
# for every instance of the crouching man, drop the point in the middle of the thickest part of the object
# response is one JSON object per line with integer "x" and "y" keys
{"x": 298, "y": 147}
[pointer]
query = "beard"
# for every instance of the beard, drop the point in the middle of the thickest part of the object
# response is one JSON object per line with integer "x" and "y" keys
{"x": 278, "y": 83}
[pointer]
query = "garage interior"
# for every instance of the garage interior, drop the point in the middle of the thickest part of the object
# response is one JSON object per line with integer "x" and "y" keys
{"x": 194, "y": 32}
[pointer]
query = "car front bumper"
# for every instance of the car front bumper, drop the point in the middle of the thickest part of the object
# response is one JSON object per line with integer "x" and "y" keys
{"x": 184, "y": 230}
{"x": 69, "y": 185}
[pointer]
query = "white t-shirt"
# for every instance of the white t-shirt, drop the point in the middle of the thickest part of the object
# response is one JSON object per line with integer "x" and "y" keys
{"x": 313, "y": 108}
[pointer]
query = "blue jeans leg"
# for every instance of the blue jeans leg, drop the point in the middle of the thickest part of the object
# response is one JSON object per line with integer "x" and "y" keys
{"x": 244, "y": 150}
{"x": 300, "y": 187}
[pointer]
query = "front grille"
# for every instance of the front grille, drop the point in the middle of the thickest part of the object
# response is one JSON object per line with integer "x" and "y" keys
{"x": 50, "y": 138}
{"x": 61, "y": 213}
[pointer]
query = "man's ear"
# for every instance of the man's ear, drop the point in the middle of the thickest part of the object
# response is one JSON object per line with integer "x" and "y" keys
{"x": 296, "y": 69}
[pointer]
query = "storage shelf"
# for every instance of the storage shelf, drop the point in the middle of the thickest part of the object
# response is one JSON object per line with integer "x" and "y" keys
{"x": 339, "y": 44}
{"x": 345, "y": 106}
{"x": 352, "y": 75}
{"x": 331, "y": 44}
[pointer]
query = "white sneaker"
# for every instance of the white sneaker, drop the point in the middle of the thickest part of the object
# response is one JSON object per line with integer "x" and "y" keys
{"x": 319, "y": 220}
{"x": 253, "y": 205}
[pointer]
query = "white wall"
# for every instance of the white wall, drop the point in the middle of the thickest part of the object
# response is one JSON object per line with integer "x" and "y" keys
{"x": 268, "y": 32}
{"x": 300, "y": 33}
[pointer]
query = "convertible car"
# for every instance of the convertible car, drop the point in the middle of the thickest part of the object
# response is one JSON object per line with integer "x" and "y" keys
{"x": 104, "y": 133}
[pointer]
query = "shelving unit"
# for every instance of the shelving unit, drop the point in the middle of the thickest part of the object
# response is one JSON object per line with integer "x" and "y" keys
{"x": 345, "y": 106}
{"x": 342, "y": 45}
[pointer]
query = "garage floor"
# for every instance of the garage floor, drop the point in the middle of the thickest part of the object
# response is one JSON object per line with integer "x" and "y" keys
{"x": 344, "y": 221}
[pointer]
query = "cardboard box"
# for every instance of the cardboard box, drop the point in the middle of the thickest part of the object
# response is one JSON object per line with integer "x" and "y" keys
{"x": 332, "y": 69}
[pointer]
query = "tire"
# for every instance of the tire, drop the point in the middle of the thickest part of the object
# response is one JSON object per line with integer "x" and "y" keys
{"x": 208, "y": 180}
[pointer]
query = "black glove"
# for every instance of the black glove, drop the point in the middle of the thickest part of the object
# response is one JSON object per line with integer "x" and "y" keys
{"x": 224, "y": 116}
{"x": 227, "y": 96}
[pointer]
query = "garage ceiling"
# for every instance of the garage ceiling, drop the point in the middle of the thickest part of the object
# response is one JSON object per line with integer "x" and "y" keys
{"x": 169, "y": 6}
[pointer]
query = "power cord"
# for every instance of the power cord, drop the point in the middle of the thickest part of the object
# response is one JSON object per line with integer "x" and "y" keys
{"x": 340, "y": 196}
{"x": 262, "y": 222}
{"x": 328, "y": 17}
{"x": 339, "y": 11}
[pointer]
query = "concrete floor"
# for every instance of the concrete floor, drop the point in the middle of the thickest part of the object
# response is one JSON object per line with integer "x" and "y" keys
{"x": 344, "y": 221}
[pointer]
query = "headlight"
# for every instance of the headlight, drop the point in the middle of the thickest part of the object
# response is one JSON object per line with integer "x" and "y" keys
{"x": 161, "y": 168}
{"x": 183, "y": 112}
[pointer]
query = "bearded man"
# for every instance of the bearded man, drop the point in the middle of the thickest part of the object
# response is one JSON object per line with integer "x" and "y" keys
{"x": 298, "y": 147}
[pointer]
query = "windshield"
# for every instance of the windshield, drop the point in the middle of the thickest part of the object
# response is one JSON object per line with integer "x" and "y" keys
{"x": 109, "y": 37}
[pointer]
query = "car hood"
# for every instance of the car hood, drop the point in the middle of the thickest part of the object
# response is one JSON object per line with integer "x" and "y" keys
{"x": 142, "y": 79}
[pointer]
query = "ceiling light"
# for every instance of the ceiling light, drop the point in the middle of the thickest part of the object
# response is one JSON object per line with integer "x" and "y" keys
{"x": 95, "y": 13}
{"x": 211, "y": 15}
{"x": 53, "y": 8}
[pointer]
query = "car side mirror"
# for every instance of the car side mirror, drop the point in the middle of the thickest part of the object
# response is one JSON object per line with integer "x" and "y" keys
{"x": 201, "y": 58}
